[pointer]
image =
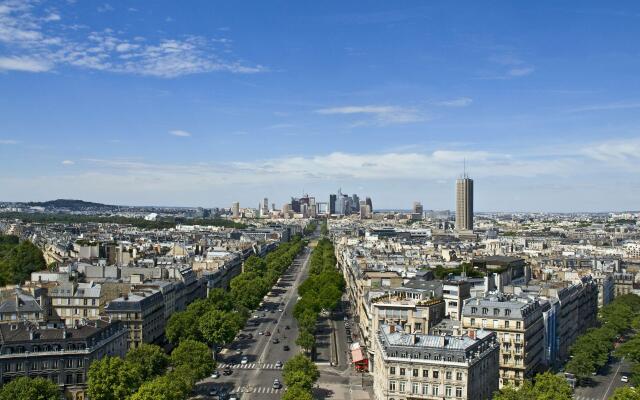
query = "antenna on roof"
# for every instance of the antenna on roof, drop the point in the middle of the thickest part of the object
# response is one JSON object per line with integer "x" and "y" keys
{"x": 464, "y": 167}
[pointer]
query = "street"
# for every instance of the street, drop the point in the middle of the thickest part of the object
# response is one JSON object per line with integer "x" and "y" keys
{"x": 604, "y": 386}
{"x": 262, "y": 342}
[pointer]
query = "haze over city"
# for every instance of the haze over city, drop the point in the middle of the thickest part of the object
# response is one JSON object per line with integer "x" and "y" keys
{"x": 162, "y": 104}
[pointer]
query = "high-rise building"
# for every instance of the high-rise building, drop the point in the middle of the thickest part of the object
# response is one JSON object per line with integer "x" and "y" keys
{"x": 295, "y": 205}
{"x": 355, "y": 203}
{"x": 464, "y": 203}
{"x": 370, "y": 204}
{"x": 417, "y": 208}
{"x": 235, "y": 209}
{"x": 332, "y": 204}
{"x": 265, "y": 206}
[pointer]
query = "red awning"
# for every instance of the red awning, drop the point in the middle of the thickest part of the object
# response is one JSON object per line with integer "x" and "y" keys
{"x": 357, "y": 355}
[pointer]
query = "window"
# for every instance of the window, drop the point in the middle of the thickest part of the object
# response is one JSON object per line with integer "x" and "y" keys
{"x": 518, "y": 324}
{"x": 392, "y": 386}
{"x": 474, "y": 310}
{"x": 69, "y": 379}
{"x": 416, "y": 372}
{"x": 496, "y": 311}
{"x": 485, "y": 310}
{"x": 434, "y": 390}
{"x": 507, "y": 312}
{"x": 458, "y": 392}
{"x": 402, "y": 371}
{"x": 473, "y": 321}
{"x": 458, "y": 376}
{"x": 436, "y": 374}
{"x": 401, "y": 386}
{"x": 495, "y": 323}
{"x": 506, "y": 324}
{"x": 447, "y": 391}
{"x": 425, "y": 389}
{"x": 69, "y": 363}
{"x": 447, "y": 375}
{"x": 415, "y": 388}
{"x": 425, "y": 373}
{"x": 392, "y": 370}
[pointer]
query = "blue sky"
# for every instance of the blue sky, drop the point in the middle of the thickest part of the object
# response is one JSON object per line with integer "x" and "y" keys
{"x": 203, "y": 103}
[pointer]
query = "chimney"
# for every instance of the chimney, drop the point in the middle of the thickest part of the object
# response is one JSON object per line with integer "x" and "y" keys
{"x": 392, "y": 328}
{"x": 472, "y": 334}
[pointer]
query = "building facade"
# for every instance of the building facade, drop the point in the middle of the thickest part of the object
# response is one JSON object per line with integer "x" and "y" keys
{"x": 464, "y": 204}
{"x": 417, "y": 366}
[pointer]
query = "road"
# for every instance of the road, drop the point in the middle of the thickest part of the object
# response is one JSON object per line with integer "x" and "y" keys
{"x": 255, "y": 378}
{"x": 603, "y": 386}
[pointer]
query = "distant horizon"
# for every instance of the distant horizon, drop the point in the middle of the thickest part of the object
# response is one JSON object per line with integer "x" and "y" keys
{"x": 386, "y": 209}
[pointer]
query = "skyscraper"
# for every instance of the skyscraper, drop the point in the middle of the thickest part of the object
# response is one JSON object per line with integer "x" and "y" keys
{"x": 370, "y": 204}
{"x": 332, "y": 204}
{"x": 464, "y": 203}
{"x": 235, "y": 209}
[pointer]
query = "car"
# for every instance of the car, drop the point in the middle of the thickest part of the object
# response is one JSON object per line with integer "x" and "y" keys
{"x": 260, "y": 333}
{"x": 267, "y": 333}
{"x": 249, "y": 335}
{"x": 287, "y": 327}
{"x": 227, "y": 371}
{"x": 213, "y": 392}
{"x": 238, "y": 352}
{"x": 272, "y": 311}
{"x": 277, "y": 384}
{"x": 345, "y": 319}
{"x": 624, "y": 379}
{"x": 276, "y": 340}
{"x": 286, "y": 348}
{"x": 278, "y": 364}
{"x": 280, "y": 309}
{"x": 215, "y": 375}
{"x": 263, "y": 315}
{"x": 244, "y": 360}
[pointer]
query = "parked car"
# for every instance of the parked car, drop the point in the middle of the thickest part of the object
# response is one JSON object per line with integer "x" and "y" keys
{"x": 215, "y": 375}
{"x": 287, "y": 327}
{"x": 277, "y": 384}
{"x": 249, "y": 335}
{"x": 278, "y": 364}
{"x": 267, "y": 333}
{"x": 244, "y": 360}
{"x": 286, "y": 348}
{"x": 624, "y": 379}
{"x": 276, "y": 340}
{"x": 227, "y": 371}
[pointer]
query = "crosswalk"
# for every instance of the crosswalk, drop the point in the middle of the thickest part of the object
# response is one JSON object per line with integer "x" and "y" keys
{"x": 256, "y": 389}
{"x": 249, "y": 366}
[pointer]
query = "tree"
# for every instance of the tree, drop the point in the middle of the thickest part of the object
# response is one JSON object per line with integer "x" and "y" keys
{"x": 194, "y": 356}
{"x": 168, "y": 387}
{"x": 112, "y": 378}
{"x": 306, "y": 340}
{"x": 218, "y": 327}
{"x": 581, "y": 365}
{"x": 182, "y": 326}
{"x": 549, "y": 386}
{"x": 297, "y": 393}
{"x": 24, "y": 388}
{"x": 626, "y": 393}
{"x": 298, "y": 378}
{"x": 300, "y": 362}
{"x": 150, "y": 359}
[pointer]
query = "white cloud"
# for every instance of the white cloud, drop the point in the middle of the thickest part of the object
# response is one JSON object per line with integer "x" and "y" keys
{"x": 607, "y": 107}
{"x": 105, "y": 8}
{"x": 619, "y": 152}
{"x": 8, "y": 141}
{"x": 383, "y": 115}
{"x": 459, "y": 102}
{"x": 24, "y": 64}
{"x": 522, "y": 71}
{"x": 179, "y": 132}
{"x": 30, "y": 46}
{"x": 68, "y": 162}
{"x": 52, "y": 17}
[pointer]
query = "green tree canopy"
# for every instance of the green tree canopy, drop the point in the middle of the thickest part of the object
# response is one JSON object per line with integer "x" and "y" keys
{"x": 300, "y": 363}
{"x": 112, "y": 378}
{"x": 150, "y": 359}
{"x": 194, "y": 356}
{"x": 24, "y": 388}
{"x": 297, "y": 393}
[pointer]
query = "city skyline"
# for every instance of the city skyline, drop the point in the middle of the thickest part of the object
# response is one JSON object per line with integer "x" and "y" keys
{"x": 205, "y": 105}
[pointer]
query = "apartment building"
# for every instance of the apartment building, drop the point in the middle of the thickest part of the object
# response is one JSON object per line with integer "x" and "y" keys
{"x": 73, "y": 302}
{"x": 142, "y": 312}
{"x": 519, "y": 326}
{"x": 416, "y": 366}
{"x": 62, "y": 355}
